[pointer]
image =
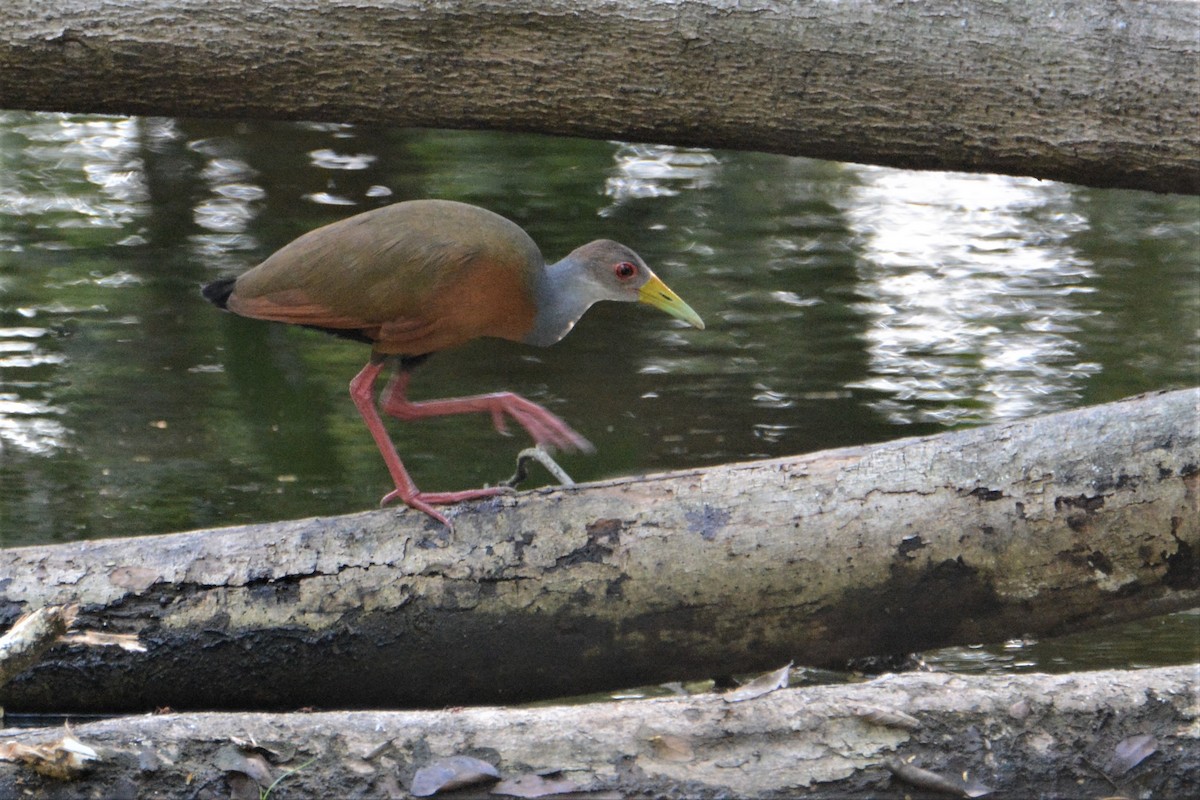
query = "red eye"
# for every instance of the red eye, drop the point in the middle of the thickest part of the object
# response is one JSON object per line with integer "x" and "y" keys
{"x": 625, "y": 270}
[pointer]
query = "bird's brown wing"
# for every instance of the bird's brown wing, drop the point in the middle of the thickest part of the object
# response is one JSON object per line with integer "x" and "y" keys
{"x": 412, "y": 278}
{"x": 296, "y": 307}
{"x": 411, "y": 335}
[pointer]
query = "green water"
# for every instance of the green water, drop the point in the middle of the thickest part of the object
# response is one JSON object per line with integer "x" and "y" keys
{"x": 845, "y": 304}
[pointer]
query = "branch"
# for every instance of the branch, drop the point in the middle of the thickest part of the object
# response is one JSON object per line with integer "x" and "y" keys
{"x": 1039, "y": 527}
{"x": 1094, "y": 734}
{"x": 1097, "y": 94}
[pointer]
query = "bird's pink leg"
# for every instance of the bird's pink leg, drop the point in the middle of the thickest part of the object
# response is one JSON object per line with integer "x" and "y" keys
{"x": 362, "y": 391}
{"x": 545, "y": 428}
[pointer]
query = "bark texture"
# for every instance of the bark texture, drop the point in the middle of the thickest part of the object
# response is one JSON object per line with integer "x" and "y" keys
{"x": 1098, "y": 734}
{"x": 1103, "y": 94}
{"x": 1038, "y": 527}
{"x": 32, "y": 635}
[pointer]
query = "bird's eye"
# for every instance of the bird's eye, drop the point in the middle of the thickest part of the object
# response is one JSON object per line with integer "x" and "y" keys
{"x": 624, "y": 270}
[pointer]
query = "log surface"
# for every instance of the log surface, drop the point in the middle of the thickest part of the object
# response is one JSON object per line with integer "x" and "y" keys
{"x": 1022, "y": 736}
{"x": 1037, "y": 527}
{"x": 1098, "y": 94}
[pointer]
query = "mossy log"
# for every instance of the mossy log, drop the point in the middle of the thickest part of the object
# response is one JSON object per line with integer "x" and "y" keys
{"x": 1037, "y": 527}
{"x": 920, "y": 735}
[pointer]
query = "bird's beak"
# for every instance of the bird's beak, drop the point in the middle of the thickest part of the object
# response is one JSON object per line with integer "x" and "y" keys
{"x": 656, "y": 293}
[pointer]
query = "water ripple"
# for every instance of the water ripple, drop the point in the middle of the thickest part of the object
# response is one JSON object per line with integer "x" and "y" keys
{"x": 92, "y": 163}
{"x": 329, "y": 159}
{"x": 647, "y": 170}
{"x": 970, "y": 267}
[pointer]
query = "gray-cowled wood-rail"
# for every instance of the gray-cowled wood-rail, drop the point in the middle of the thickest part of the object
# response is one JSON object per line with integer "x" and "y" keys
{"x": 425, "y": 275}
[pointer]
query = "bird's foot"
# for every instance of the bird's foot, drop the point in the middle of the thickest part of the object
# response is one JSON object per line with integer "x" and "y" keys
{"x": 425, "y": 501}
{"x": 546, "y": 428}
{"x": 450, "y": 498}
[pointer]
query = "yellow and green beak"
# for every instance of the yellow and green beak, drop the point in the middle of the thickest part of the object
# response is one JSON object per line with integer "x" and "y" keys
{"x": 657, "y": 294}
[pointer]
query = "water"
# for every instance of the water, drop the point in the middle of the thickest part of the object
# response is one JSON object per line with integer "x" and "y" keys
{"x": 845, "y": 304}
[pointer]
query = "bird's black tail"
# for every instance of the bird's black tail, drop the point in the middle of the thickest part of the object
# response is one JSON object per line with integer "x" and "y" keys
{"x": 218, "y": 291}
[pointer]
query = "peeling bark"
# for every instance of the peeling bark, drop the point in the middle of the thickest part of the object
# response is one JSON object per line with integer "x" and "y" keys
{"x": 1037, "y": 527}
{"x": 1018, "y": 735}
{"x": 1098, "y": 94}
{"x": 30, "y": 636}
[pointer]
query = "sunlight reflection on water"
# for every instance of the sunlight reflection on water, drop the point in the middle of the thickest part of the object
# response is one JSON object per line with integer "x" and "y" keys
{"x": 972, "y": 291}
{"x": 653, "y": 170}
{"x": 233, "y": 202}
{"x": 28, "y": 424}
{"x": 844, "y": 302}
{"x": 60, "y": 174}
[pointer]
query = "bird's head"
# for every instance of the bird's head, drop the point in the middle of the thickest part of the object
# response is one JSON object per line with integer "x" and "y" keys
{"x": 611, "y": 271}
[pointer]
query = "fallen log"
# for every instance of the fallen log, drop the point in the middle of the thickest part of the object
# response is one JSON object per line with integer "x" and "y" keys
{"x": 1037, "y": 527}
{"x": 1098, "y": 734}
{"x": 1098, "y": 94}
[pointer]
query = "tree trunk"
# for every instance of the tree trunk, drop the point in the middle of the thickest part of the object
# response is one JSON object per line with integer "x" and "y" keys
{"x": 1097, "y": 734}
{"x": 1040, "y": 527}
{"x": 1098, "y": 94}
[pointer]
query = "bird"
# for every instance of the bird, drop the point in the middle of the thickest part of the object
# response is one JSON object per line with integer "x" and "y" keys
{"x": 420, "y": 276}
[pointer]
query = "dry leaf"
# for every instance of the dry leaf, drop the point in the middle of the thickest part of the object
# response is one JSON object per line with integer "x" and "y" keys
{"x": 125, "y": 641}
{"x": 974, "y": 788}
{"x": 923, "y": 778}
{"x": 243, "y": 787}
{"x": 231, "y": 758}
{"x": 1019, "y": 710}
{"x": 276, "y": 751}
{"x": 451, "y": 773}
{"x": 65, "y": 759}
{"x": 1129, "y": 753}
{"x": 533, "y": 785}
{"x": 761, "y": 685}
{"x": 888, "y": 718}
{"x": 377, "y": 750}
{"x": 148, "y": 759}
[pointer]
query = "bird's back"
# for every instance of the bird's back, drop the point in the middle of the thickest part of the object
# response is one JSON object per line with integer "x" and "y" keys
{"x": 412, "y": 277}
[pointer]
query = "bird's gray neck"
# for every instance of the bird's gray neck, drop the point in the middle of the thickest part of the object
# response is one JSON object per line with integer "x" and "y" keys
{"x": 561, "y": 297}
